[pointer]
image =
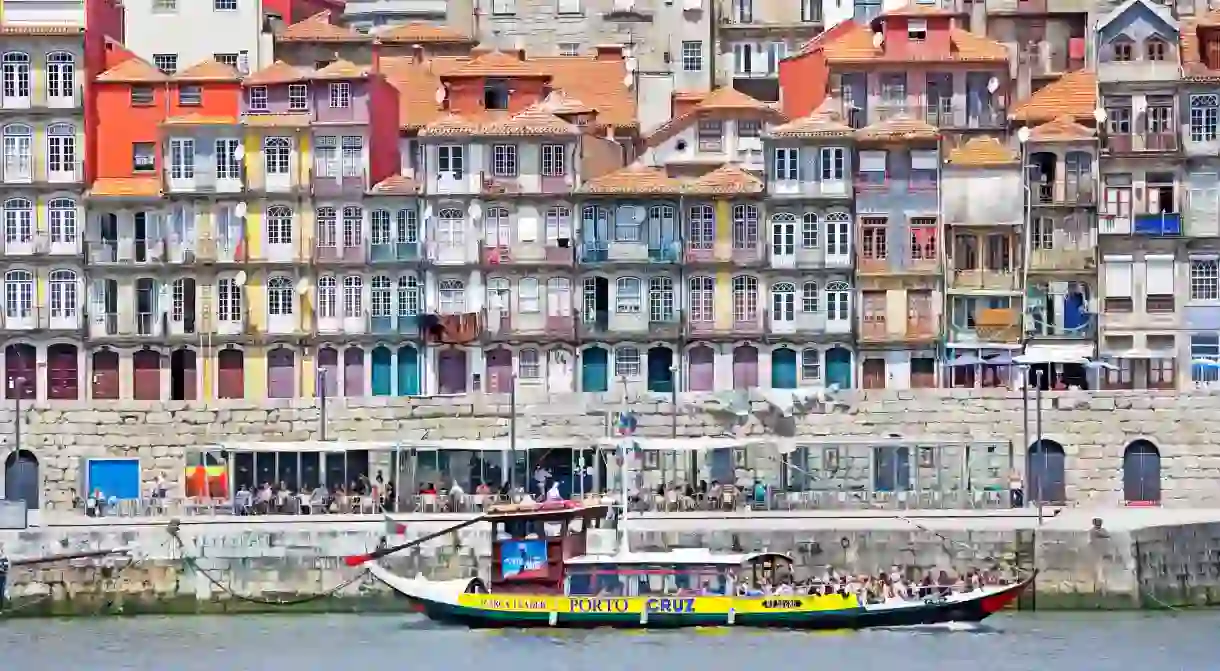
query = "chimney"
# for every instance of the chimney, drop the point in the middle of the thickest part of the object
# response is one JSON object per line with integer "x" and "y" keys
{"x": 417, "y": 54}
{"x": 376, "y": 55}
{"x": 518, "y": 53}
{"x": 609, "y": 52}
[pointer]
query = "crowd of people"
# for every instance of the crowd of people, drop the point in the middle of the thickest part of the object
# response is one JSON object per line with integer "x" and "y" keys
{"x": 881, "y": 588}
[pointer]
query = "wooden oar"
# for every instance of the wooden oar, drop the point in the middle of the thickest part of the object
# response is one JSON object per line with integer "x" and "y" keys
{"x": 357, "y": 560}
{"x": 50, "y": 559}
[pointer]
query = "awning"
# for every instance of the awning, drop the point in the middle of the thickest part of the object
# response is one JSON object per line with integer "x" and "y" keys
{"x": 1067, "y": 353}
{"x": 1142, "y": 354}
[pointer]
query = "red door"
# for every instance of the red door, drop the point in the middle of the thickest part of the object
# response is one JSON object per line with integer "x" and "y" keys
{"x": 146, "y": 375}
{"x": 231, "y": 374}
{"x": 62, "y": 372}
{"x": 105, "y": 385}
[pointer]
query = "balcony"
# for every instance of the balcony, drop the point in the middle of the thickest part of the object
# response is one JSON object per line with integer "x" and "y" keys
{"x": 106, "y": 325}
{"x": 395, "y": 252}
{"x": 41, "y": 318}
{"x": 982, "y": 279}
{"x": 525, "y": 255}
{"x": 502, "y": 325}
{"x": 1200, "y": 141}
{"x": 139, "y": 253}
{"x": 750, "y": 326}
{"x": 224, "y": 327}
{"x": 210, "y": 250}
{"x": 202, "y": 182}
{"x": 336, "y": 255}
{"x": 809, "y": 188}
{"x": 665, "y": 253}
{"x": 1114, "y": 72}
{"x": 593, "y": 325}
{"x": 594, "y": 252}
{"x": 665, "y": 325}
{"x": 1063, "y": 260}
{"x": 73, "y": 174}
{"x": 404, "y": 325}
{"x": 1065, "y": 194}
{"x": 998, "y": 325}
{"x": 804, "y": 323}
{"x": 1140, "y": 144}
{"x": 876, "y": 329}
{"x": 941, "y": 113}
{"x": 149, "y": 324}
{"x": 43, "y": 103}
{"x": 334, "y": 186}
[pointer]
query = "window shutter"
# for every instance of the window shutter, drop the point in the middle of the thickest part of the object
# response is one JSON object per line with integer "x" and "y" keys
{"x": 1158, "y": 275}
{"x": 1118, "y": 276}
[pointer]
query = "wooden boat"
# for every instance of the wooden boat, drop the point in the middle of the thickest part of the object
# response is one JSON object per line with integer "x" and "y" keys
{"x": 541, "y": 576}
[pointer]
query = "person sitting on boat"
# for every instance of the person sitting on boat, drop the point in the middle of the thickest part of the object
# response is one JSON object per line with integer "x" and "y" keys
{"x": 553, "y": 494}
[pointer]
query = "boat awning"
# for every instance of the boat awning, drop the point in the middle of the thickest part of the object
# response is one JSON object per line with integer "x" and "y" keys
{"x": 694, "y": 556}
{"x": 1068, "y": 353}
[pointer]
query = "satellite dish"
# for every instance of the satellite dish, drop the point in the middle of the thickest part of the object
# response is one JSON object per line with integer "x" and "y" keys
{"x": 993, "y": 85}
{"x": 475, "y": 211}
{"x": 239, "y": 152}
{"x": 631, "y": 64}
{"x": 302, "y": 286}
{"x": 568, "y": 180}
{"x": 240, "y": 209}
{"x": 628, "y": 80}
{"x": 427, "y": 211}
{"x": 441, "y": 94}
{"x": 240, "y": 278}
{"x": 878, "y": 39}
{"x": 1023, "y": 134}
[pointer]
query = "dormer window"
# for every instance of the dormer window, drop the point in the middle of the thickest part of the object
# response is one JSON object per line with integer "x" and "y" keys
{"x": 917, "y": 30}
{"x": 1157, "y": 49}
{"x": 1123, "y": 51}
{"x": 495, "y": 94}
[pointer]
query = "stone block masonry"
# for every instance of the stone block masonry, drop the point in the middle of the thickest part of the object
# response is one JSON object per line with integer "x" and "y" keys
{"x": 1093, "y": 428}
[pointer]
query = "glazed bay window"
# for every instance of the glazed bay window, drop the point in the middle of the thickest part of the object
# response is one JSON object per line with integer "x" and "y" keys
{"x": 1160, "y": 123}
{"x": 873, "y": 244}
{"x": 1204, "y": 117}
{"x": 1204, "y": 278}
{"x": 1158, "y": 283}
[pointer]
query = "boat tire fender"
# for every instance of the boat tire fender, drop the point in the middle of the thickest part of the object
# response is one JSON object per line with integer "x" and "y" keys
{"x": 732, "y": 617}
{"x": 644, "y": 616}
{"x": 553, "y": 619}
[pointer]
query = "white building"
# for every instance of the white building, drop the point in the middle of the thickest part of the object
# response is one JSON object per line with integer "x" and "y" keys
{"x": 176, "y": 34}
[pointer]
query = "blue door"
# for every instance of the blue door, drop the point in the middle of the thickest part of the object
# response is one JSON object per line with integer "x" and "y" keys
{"x": 783, "y": 369}
{"x": 383, "y": 372}
{"x": 892, "y": 468}
{"x": 119, "y": 478}
{"x": 660, "y": 377}
{"x": 1142, "y": 473}
{"x": 838, "y": 367}
{"x": 594, "y": 372}
{"x": 1045, "y": 466}
{"x": 408, "y": 371}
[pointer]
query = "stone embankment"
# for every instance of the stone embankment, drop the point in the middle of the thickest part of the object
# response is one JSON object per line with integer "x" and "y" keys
{"x": 1137, "y": 559}
{"x": 1094, "y": 430}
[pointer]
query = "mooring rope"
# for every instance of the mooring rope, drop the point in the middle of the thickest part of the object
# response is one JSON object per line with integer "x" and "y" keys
{"x": 6, "y": 611}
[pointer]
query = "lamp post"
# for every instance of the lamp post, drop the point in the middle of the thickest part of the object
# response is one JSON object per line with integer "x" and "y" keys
{"x": 18, "y": 387}
{"x": 512, "y": 434}
{"x": 1041, "y": 448}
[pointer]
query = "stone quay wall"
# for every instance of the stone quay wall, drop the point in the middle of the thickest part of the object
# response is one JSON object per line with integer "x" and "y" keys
{"x": 1094, "y": 429}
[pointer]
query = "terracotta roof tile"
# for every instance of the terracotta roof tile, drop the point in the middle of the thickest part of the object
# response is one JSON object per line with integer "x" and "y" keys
{"x": 341, "y": 69}
{"x": 856, "y": 46}
{"x": 1073, "y": 94}
{"x": 596, "y": 84}
{"x": 423, "y": 33}
{"x": 318, "y": 28}
{"x": 560, "y": 103}
{"x": 1061, "y": 129}
{"x": 1192, "y": 34}
{"x": 209, "y": 70}
{"x": 636, "y": 178}
{"x": 818, "y": 124}
{"x": 498, "y": 64}
{"x": 278, "y": 72}
{"x": 983, "y": 152}
{"x": 126, "y": 187}
{"x": 723, "y": 102}
{"x": 39, "y": 30}
{"x": 899, "y": 128}
{"x": 397, "y": 185}
{"x": 199, "y": 120}
{"x": 276, "y": 120}
{"x": 533, "y": 122}
{"x": 450, "y": 125}
{"x": 133, "y": 71}
{"x": 918, "y": 10}
{"x": 727, "y": 180}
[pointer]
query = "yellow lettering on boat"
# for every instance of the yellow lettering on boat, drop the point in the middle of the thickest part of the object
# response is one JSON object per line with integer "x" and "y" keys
{"x": 666, "y": 604}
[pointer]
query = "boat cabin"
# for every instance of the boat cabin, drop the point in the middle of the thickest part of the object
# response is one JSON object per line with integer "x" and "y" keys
{"x": 684, "y": 572}
{"x": 531, "y": 545}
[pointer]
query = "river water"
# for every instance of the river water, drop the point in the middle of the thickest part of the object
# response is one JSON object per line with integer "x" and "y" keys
{"x": 1017, "y": 642}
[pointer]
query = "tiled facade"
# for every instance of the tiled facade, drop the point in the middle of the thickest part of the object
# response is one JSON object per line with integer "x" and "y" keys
{"x": 409, "y": 213}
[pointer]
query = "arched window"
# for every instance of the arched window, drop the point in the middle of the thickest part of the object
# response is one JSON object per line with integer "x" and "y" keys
{"x": 745, "y": 227}
{"x": 809, "y": 297}
{"x": 328, "y": 297}
{"x": 279, "y": 225}
{"x": 18, "y": 220}
{"x": 353, "y": 296}
{"x": 701, "y": 229}
{"x": 61, "y": 213}
{"x": 63, "y": 286}
{"x": 380, "y": 304}
{"x": 558, "y": 227}
{"x": 328, "y": 227}
{"x": 838, "y": 301}
{"x": 783, "y": 301}
{"x": 61, "y": 75}
{"x": 838, "y": 233}
{"x": 702, "y": 299}
{"x": 18, "y": 294}
{"x": 408, "y": 296}
{"x": 660, "y": 299}
{"x": 783, "y": 234}
{"x": 451, "y": 228}
{"x": 279, "y": 297}
{"x": 16, "y": 74}
{"x": 453, "y": 297}
{"x": 745, "y": 298}
{"x": 353, "y": 227}
{"x": 61, "y": 150}
{"x": 529, "y": 365}
{"x": 408, "y": 227}
{"x": 810, "y": 238}
{"x": 18, "y": 149}
{"x": 276, "y": 154}
{"x": 380, "y": 231}
{"x": 627, "y": 295}
{"x": 627, "y": 361}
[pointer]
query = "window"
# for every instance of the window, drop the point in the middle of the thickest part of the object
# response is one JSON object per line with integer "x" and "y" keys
{"x": 1204, "y": 347}
{"x": 61, "y": 148}
{"x": 380, "y": 304}
{"x": 1156, "y": 49}
{"x": 743, "y": 11}
{"x": 809, "y": 297}
{"x": 228, "y": 303}
{"x": 811, "y": 11}
{"x": 380, "y": 230}
{"x": 190, "y": 95}
{"x": 627, "y": 222}
{"x": 452, "y": 297}
{"x": 18, "y": 294}
{"x": 701, "y": 233}
{"x": 61, "y": 75}
{"x": 702, "y": 299}
{"x": 16, "y": 74}
{"x": 298, "y": 97}
{"x": 449, "y": 159}
{"x": 503, "y": 7}
{"x": 407, "y": 225}
{"x": 230, "y": 60}
{"x": 143, "y": 156}
{"x": 783, "y": 234}
{"x": 628, "y": 298}
{"x": 61, "y": 213}
{"x": 917, "y": 30}
{"x": 1204, "y": 279}
{"x": 276, "y": 152}
{"x": 873, "y": 243}
{"x": 569, "y": 7}
{"x": 558, "y": 221}
{"x": 167, "y": 63}
{"x": 569, "y": 49}
{"x": 660, "y": 299}
{"x": 627, "y": 362}
{"x": 923, "y": 239}
{"x": 328, "y": 297}
{"x": 838, "y": 301}
{"x": 552, "y": 160}
{"x": 353, "y": 296}
{"x": 258, "y": 99}
{"x": 749, "y": 128}
{"x": 924, "y": 170}
{"x": 279, "y": 297}
{"x": 529, "y": 365}
{"x": 787, "y": 164}
{"x": 1159, "y": 289}
{"x": 1122, "y": 50}
{"x": 228, "y": 165}
{"x": 811, "y": 365}
{"x": 408, "y": 296}
{"x": 692, "y": 56}
{"x": 745, "y": 227}
{"x": 352, "y": 156}
{"x": 710, "y": 135}
{"x": 279, "y": 225}
{"x": 181, "y": 158}
{"x": 451, "y": 228}
{"x": 326, "y": 156}
{"x": 838, "y": 233}
{"x": 340, "y": 95}
{"x": 809, "y": 231}
{"x": 224, "y": 5}
{"x": 495, "y": 94}
{"x": 1042, "y": 234}
{"x": 1117, "y": 284}
{"x": 63, "y": 294}
{"x": 353, "y": 224}
{"x": 783, "y": 301}
{"x": 165, "y": 5}
{"x": 745, "y": 298}
{"x": 141, "y": 96}
{"x": 872, "y": 169}
{"x": 504, "y": 160}
{"x": 1204, "y": 117}
{"x": 834, "y": 163}
{"x": 18, "y": 220}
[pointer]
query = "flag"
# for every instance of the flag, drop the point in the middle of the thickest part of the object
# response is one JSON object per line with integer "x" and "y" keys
{"x": 393, "y": 527}
{"x": 626, "y": 424}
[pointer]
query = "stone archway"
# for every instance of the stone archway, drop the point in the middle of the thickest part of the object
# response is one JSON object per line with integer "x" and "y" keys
{"x": 1045, "y": 468}
{"x": 22, "y": 479}
{"x": 1142, "y": 473}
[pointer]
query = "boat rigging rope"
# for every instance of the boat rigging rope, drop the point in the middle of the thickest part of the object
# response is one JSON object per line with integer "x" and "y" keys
{"x": 175, "y": 526}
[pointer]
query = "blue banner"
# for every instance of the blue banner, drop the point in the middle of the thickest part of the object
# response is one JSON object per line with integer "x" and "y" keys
{"x": 523, "y": 560}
